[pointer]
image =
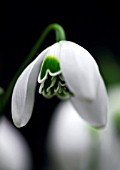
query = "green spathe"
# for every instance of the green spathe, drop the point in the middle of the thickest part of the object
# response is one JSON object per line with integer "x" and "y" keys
{"x": 50, "y": 63}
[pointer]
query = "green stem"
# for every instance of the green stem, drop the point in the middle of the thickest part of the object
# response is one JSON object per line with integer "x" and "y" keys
{"x": 60, "y": 35}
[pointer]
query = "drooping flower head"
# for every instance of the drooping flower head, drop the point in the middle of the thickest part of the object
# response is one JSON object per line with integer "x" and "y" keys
{"x": 68, "y": 71}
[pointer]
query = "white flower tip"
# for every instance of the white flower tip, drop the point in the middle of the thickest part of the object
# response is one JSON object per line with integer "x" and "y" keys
{"x": 101, "y": 122}
{"x": 18, "y": 122}
{"x": 97, "y": 124}
{"x": 100, "y": 125}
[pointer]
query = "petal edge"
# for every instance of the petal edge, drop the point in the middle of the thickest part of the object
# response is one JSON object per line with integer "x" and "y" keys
{"x": 24, "y": 92}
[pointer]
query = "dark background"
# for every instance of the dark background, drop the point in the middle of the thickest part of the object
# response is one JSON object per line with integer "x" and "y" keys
{"x": 94, "y": 26}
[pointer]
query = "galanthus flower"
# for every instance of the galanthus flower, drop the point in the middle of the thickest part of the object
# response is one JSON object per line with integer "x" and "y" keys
{"x": 65, "y": 70}
{"x": 14, "y": 151}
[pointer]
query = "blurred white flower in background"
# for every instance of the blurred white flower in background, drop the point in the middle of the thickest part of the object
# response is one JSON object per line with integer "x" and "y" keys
{"x": 14, "y": 151}
{"x": 110, "y": 136}
{"x": 73, "y": 145}
{"x": 69, "y": 143}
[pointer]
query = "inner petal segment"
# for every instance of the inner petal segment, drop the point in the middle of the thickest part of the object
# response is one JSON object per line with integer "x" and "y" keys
{"x": 51, "y": 80}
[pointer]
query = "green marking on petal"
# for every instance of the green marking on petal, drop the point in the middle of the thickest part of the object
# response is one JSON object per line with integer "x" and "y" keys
{"x": 54, "y": 85}
{"x": 51, "y": 80}
{"x": 50, "y": 63}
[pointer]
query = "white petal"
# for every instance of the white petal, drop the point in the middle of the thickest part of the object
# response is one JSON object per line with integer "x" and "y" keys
{"x": 68, "y": 141}
{"x": 95, "y": 112}
{"x": 14, "y": 151}
{"x": 24, "y": 92}
{"x": 79, "y": 70}
{"x": 54, "y": 50}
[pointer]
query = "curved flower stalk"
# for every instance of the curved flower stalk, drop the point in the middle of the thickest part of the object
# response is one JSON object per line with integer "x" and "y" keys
{"x": 71, "y": 143}
{"x": 68, "y": 71}
{"x": 14, "y": 152}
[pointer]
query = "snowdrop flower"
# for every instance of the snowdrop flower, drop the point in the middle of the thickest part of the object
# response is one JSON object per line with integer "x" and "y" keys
{"x": 71, "y": 144}
{"x": 14, "y": 151}
{"x": 66, "y": 70}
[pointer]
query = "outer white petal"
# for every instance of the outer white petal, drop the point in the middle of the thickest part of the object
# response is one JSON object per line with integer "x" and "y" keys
{"x": 54, "y": 50}
{"x": 94, "y": 112}
{"x": 79, "y": 70}
{"x": 24, "y": 92}
{"x": 14, "y": 151}
{"x": 83, "y": 78}
{"x": 69, "y": 142}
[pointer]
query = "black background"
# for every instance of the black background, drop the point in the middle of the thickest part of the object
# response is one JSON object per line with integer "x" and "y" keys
{"x": 92, "y": 25}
